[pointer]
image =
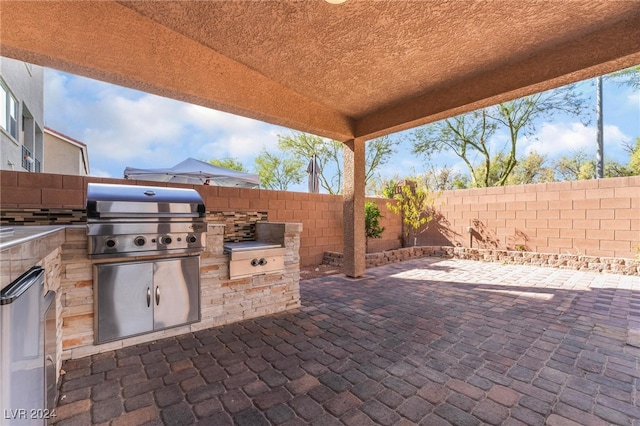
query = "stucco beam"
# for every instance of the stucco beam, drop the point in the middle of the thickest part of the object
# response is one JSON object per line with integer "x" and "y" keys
{"x": 599, "y": 53}
{"x": 110, "y": 42}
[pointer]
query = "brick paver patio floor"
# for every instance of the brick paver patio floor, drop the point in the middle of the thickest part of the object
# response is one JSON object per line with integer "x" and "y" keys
{"x": 428, "y": 341}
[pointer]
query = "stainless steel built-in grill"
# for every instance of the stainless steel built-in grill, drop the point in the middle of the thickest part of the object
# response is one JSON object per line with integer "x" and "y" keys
{"x": 127, "y": 220}
{"x": 157, "y": 233}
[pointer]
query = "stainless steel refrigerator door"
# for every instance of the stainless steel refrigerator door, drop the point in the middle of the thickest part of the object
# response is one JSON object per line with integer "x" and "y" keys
{"x": 176, "y": 292}
{"x": 125, "y": 305}
{"x": 22, "y": 350}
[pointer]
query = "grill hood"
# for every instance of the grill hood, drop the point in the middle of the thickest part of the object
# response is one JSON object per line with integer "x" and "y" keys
{"x": 133, "y": 201}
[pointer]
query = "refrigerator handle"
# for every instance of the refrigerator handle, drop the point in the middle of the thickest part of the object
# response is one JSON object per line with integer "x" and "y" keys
{"x": 18, "y": 287}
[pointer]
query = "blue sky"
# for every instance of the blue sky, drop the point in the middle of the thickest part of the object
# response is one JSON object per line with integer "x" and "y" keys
{"x": 123, "y": 127}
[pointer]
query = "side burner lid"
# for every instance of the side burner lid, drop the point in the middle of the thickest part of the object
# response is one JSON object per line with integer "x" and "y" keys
{"x": 249, "y": 245}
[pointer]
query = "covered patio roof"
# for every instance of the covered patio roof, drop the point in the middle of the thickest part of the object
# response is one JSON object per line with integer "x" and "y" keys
{"x": 355, "y": 70}
{"x": 351, "y": 72}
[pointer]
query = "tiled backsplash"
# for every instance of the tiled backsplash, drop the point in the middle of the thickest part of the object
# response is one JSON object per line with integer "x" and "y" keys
{"x": 17, "y": 217}
{"x": 239, "y": 225}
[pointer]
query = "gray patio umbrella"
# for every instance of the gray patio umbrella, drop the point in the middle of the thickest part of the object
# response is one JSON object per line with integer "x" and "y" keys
{"x": 314, "y": 171}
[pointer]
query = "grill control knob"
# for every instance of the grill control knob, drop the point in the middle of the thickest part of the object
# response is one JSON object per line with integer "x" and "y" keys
{"x": 110, "y": 242}
{"x": 166, "y": 240}
{"x": 139, "y": 241}
{"x": 191, "y": 239}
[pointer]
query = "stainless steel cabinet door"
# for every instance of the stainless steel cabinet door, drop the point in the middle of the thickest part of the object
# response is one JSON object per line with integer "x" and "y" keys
{"x": 176, "y": 292}
{"x": 125, "y": 300}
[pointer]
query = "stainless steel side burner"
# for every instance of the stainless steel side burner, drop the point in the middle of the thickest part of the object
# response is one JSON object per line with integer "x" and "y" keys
{"x": 254, "y": 258}
{"x": 130, "y": 220}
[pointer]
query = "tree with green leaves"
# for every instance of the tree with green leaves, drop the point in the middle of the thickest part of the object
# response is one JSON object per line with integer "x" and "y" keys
{"x": 378, "y": 186}
{"x": 228, "y": 163}
{"x": 614, "y": 168}
{"x": 414, "y": 203}
{"x": 470, "y": 135}
{"x": 372, "y": 226}
{"x": 328, "y": 153}
{"x": 278, "y": 172}
{"x": 577, "y": 166}
{"x": 445, "y": 179}
{"x": 531, "y": 169}
{"x": 377, "y": 153}
{"x": 634, "y": 160}
{"x": 435, "y": 179}
{"x": 580, "y": 166}
{"x": 627, "y": 77}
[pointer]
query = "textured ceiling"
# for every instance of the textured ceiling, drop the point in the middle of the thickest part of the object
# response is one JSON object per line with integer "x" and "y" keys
{"x": 362, "y": 68}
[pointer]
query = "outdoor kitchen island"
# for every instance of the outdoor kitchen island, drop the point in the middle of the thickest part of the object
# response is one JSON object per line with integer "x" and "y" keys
{"x": 222, "y": 300}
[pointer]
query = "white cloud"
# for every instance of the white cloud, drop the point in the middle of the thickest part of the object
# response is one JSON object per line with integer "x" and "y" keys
{"x": 231, "y": 135}
{"x": 561, "y": 139}
{"x": 633, "y": 99}
{"x": 128, "y": 128}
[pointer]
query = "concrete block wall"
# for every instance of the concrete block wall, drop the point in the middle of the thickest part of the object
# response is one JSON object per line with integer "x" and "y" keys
{"x": 589, "y": 217}
{"x": 320, "y": 214}
{"x": 391, "y": 237}
{"x": 593, "y": 218}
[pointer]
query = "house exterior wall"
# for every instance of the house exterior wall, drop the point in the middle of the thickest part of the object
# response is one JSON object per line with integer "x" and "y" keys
{"x": 62, "y": 156}
{"x": 26, "y": 83}
{"x": 594, "y": 217}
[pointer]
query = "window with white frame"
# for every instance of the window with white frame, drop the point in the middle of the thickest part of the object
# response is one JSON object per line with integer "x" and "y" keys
{"x": 8, "y": 111}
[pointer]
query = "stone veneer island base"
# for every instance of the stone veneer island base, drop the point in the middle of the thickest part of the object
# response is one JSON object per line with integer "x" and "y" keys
{"x": 222, "y": 300}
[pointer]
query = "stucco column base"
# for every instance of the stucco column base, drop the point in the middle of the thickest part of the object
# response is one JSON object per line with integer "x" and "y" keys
{"x": 353, "y": 208}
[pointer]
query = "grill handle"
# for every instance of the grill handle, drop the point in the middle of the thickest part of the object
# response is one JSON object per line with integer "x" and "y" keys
{"x": 148, "y": 297}
{"x": 157, "y": 295}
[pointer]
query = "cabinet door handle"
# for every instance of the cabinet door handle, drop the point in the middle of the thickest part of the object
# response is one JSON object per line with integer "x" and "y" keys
{"x": 157, "y": 296}
{"x": 148, "y": 297}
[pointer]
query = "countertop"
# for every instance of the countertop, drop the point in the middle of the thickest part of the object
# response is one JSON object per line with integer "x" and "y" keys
{"x": 25, "y": 247}
{"x": 23, "y": 234}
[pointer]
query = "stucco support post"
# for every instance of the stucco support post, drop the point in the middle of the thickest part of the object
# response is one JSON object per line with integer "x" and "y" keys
{"x": 353, "y": 208}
